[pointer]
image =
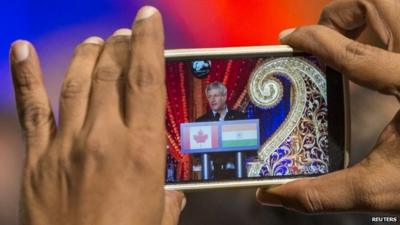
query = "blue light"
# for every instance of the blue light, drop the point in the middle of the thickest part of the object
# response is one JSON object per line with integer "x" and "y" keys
{"x": 36, "y": 20}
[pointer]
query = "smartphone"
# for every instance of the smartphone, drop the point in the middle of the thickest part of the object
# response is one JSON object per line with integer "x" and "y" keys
{"x": 252, "y": 116}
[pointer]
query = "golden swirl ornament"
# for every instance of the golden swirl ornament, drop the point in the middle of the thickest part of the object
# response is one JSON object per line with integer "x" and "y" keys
{"x": 265, "y": 91}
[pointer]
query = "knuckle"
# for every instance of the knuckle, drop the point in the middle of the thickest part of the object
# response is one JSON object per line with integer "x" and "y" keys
{"x": 35, "y": 115}
{"x": 77, "y": 158}
{"x": 42, "y": 169}
{"x": 50, "y": 166}
{"x": 354, "y": 49}
{"x": 353, "y": 53}
{"x": 25, "y": 81}
{"x": 329, "y": 12}
{"x": 107, "y": 73}
{"x": 325, "y": 13}
{"x": 73, "y": 88}
{"x": 90, "y": 155}
{"x": 310, "y": 201}
{"x": 315, "y": 33}
{"x": 139, "y": 161}
{"x": 93, "y": 148}
{"x": 145, "y": 76}
{"x": 145, "y": 162}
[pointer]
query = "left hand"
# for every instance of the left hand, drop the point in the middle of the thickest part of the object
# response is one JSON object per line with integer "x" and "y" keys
{"x": 105, "y": 162}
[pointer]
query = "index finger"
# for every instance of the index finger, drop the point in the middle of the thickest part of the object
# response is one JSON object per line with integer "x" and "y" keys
{"x": 366, "y": 65}
{"x": 378, "y": 19}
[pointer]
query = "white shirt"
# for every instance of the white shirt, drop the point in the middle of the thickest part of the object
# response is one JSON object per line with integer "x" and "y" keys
{"x": 221, "y": 118}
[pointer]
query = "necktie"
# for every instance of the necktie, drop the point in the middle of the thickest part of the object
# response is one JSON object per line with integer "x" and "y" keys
{"x": 217, "y": 115}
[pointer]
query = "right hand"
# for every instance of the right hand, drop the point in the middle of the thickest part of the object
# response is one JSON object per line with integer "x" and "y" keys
{"x": 374, "y": 183}
{"x": 350, "y": 37}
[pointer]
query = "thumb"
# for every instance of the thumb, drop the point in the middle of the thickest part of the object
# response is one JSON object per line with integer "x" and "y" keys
{"x": 337, "y": 191}
{"x": 174, "y": 203}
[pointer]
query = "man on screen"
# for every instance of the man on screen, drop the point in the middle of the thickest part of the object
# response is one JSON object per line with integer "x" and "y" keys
{"x": 224, "y": 166}
{"x": 216, "y": 93}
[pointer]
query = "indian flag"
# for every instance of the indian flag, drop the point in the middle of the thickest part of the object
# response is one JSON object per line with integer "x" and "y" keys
{"x": 239, "y": 135}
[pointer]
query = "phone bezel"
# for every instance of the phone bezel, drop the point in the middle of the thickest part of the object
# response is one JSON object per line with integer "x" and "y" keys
{"x": 273, "y": 50}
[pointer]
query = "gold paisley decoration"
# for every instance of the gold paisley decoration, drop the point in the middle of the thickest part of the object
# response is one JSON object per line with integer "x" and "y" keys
{"x": 266, "y": 91}
{"x": 295, "y": 69}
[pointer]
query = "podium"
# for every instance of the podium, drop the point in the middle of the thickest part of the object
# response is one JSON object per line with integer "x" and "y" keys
{"x": 221, "y": 136}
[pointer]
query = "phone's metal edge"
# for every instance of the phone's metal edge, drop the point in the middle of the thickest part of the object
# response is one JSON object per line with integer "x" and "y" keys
{"x": 347, "y": 122}
{"x": 274, "y": 49}
{"x": 229, "y": 184}
{"x": 188, "y": 53}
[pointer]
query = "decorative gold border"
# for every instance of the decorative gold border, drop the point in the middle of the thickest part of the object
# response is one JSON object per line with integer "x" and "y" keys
{"x": 285, "y": 129}
{"x": 316, "y": 75}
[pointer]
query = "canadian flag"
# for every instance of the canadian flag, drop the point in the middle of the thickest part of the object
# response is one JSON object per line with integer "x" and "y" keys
{"x": 200, "y": 137}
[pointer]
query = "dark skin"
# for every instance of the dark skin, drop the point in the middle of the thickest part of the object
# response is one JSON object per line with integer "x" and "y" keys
{"x": 361, "y": 39}
{"x": 97, "y": 166}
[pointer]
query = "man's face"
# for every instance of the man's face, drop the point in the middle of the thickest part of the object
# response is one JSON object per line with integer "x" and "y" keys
{"x": 216, "y": 100}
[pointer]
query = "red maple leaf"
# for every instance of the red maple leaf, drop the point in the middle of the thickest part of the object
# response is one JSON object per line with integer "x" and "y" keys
{"x": 200, "y": 137}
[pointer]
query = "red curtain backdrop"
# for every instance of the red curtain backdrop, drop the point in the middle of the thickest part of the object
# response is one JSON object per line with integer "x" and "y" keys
{"x": 187, "y": 100}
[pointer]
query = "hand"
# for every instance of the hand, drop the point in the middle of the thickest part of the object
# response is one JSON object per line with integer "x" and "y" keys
{"x": 105, "y": 162}
{"x": 349, "y": 39}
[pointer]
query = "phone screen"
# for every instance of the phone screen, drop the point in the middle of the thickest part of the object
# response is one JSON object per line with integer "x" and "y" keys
{"x": 243, "y": 117}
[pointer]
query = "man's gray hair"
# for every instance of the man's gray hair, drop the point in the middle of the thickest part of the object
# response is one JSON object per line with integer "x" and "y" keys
{"x": 216, "y": 85}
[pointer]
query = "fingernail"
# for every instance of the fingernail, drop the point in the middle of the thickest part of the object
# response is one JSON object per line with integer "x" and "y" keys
{"x": 283, "y": 34}
{"x": 122, "y": 32}
{"x": 264, "y": 197}
{"x": 94, "y": 40}
{"x": 145, "y": 12}
{"x": 20, "y": 50}
{"x": 183, "y": 203}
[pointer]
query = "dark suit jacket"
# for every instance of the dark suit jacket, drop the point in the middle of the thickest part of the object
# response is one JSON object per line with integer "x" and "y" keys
{"x": 231, "y": 115}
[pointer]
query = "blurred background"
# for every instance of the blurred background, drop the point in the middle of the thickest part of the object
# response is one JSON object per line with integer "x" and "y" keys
{"x": 56, "y": 27}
